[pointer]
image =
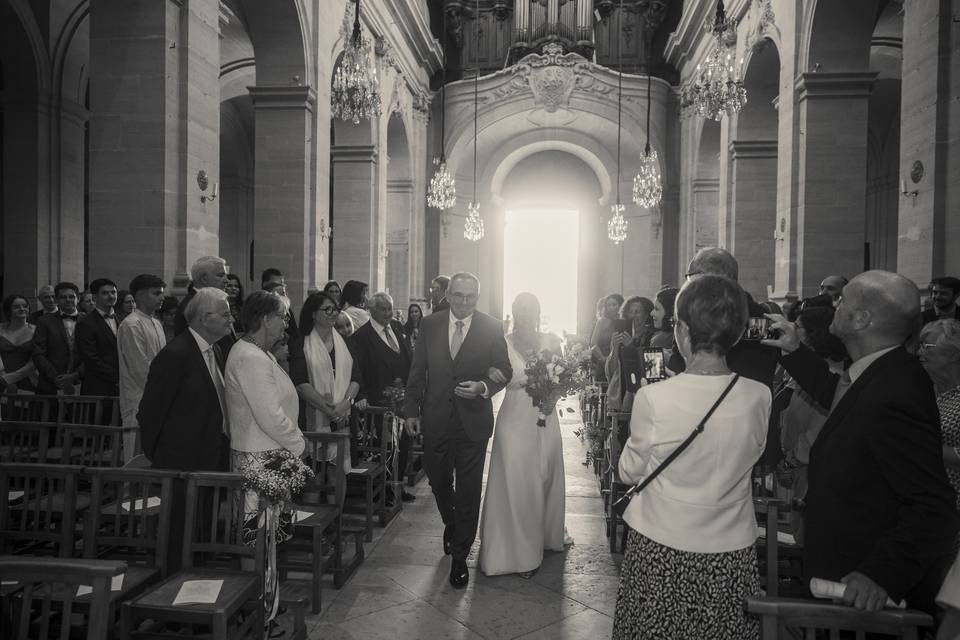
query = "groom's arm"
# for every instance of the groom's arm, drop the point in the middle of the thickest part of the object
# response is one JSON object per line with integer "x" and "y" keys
{"x": 499, "y": 359}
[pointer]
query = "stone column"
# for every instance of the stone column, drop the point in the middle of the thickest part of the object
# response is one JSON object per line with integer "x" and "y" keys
{"x": 397, "y": 268}
{"x": 155, "y": 124}
{"x": 831, "y": 176}
{"x": 705, "y": 194}
{"x": 285, "y": 234}
{"x": 355, "y": 181}
{"x": 753, "y": 212}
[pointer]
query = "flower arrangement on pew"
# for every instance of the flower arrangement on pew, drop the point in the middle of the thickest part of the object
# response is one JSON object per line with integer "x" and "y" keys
{"x": 550, "y": 377}
{"x": 394, "y": 395}
{"x": 280, "y": 478}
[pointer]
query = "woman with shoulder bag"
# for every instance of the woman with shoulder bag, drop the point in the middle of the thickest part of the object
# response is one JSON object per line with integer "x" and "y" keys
{"x": 694, "y": 439}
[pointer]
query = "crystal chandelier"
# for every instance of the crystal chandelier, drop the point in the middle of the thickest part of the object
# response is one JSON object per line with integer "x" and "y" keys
{"x": 617, "y": 224}
{"x": 356, "y": 90}
{"x": 442, "y": 193}
{"x": 473, "y": 226}
{"x": 647, "y": 188}
{"x": 717, "y": 87}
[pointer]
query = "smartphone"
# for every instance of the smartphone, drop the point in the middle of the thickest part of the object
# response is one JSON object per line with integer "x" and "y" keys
{"x": 622, "y": 326}
{"x": 759, "y": 329}
{"x": 654, "y": 364}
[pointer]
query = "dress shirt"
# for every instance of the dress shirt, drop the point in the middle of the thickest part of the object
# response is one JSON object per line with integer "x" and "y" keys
{"x": 382, "y": 331}
{"x": 209, "y": 356}
{"x": 110, "y": 318}
{"x": 858, "y": 367}
{"x": 139, "y": 339}
{"x": 70, "y": 324}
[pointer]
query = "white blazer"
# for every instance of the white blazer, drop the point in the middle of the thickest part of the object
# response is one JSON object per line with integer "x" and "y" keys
{"x": 262, "y": 403}
{"x": 702, "y": 502}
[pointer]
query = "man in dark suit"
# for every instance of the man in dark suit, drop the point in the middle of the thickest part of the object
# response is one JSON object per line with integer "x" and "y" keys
{"x": 438, "y": 294}
{"x": 54, "y": 350}
{"x": 449, "y": 389}
{"x": 208, "y": 271}
{"x": 383, "y": 355}
{"x": 97, "y": 343}
{"x": 182, "y": 415}
{"x": 880, "y": 516}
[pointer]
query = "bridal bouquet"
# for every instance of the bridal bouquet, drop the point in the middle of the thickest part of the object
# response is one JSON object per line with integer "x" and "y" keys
{"x": 278, "y": 478}
{"x": 550, "y": 377}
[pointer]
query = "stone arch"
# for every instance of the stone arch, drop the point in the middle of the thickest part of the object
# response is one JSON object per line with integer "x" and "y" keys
{"x": 705, "y": 196}
{"x": 836, "y": 35}
{"x": 237, "y": 186}
{"x": 277, "y": 31}
{"x": 399, "y": 211}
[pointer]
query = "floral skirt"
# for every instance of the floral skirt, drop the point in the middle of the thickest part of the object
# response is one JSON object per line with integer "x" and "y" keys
{"x": 668, "y": 594}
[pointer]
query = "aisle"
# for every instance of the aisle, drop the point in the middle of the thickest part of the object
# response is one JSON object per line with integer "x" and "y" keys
{"x": 402, "y": 593}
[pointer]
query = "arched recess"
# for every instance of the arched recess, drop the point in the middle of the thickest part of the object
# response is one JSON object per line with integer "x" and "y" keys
{"x": 237, "y": 187}
{"x": 751, "y": 221}
{"x": 399, "y": 211}
{"x": 883, "y": 149}
{"x": 705, "y": 199}
{"x": 836, "y": 36}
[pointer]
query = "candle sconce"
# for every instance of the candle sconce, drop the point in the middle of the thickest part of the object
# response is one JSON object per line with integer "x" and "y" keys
{"x": 203, "y": 182}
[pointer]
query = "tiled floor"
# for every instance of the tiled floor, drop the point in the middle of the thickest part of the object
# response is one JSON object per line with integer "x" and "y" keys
{"x": 401, "y": 591}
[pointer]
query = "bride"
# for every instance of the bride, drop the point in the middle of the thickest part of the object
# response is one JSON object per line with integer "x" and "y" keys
{"x": 523, "y": 511}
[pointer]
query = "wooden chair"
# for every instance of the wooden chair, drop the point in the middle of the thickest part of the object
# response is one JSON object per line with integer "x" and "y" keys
{"x": 213, "y": 549}
{"x": 787, "y": 617}
{"x": 89, "y": 445}
{"x": 38, "y": 605}
{"x": 38, "y": 508}
{"x": 367, "y": 481}
{"x": 616, "y": 528}
{"x": 27, "y": 408}
{"x": 26, "y": 441}
{"x": 415, "y": 471}
{"x": 780, "y": 557}
{"x": 92, "y": 410}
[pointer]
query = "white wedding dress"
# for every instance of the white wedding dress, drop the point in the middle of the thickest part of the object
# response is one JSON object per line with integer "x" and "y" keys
{"x": 523, "y": 508}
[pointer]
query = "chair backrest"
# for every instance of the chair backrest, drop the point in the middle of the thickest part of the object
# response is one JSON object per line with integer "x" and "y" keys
{"x": 132, "y": 521}
{"x": 796, "y": 616}
{"x": 330, "y": 475}
{"x": 90, "y": 446}
{"x": 374, "y": 427}
{"x": 38, "y": 506}
{"x": 41, "y": 580}
{"x": 99, "y": 410}
{"x": 214, "y": 530}
{"x": 26, "y": 441}
{"x": 27, "y": 408}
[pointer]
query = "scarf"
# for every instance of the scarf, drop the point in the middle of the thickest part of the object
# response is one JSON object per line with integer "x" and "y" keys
{"x": 329, "y": 383}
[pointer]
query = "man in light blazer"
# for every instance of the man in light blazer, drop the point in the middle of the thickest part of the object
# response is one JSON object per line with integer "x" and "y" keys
{"x": 449, "y": 388}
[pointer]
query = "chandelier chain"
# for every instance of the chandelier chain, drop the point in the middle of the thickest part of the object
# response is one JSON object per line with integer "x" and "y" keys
{"x": 442, "y": 192}
{"x": 473, "y": 226}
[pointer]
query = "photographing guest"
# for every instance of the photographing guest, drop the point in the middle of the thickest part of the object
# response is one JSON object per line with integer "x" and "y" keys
{"x": 353, "y": 302}
{"x": 332, "y": 288}
{"x": 411, "y": 328}
{"x": 635, "y": 310}
{"x": 662, "y": 316}
{"x": 603, "y": 332}
{"x": 126, "y": 303}
{"x": 234, "y": 290}
{"x": 690, "y": 546}
{"x": 17, "y": 370}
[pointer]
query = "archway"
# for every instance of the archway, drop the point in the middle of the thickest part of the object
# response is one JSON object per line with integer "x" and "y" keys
{"x": 399, "y": 209}
{"x": 706, "y": 188}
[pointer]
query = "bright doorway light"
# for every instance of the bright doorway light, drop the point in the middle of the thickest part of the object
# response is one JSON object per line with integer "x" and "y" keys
{"x": 540, "y": 251}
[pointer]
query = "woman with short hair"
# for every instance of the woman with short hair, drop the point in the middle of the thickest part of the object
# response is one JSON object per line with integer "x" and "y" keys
{"x": 690, "y": 559}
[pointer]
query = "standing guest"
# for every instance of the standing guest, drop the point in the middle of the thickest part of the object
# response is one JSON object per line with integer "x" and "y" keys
{"x": 662, "y": 315}
{"x": 17, "y": 371}
{"x": 690, "y": 547}
{"x": 634, "y": 310}
{"x": 139, "y": 339}
{"x": 48, "y": 303}
{"x": 126, "y": 303}
{"x": 832, "y": 286}
{"x": 97, "y": 343}
{"x": 208, "y": 271}
{"x": 271, "y": 274}
{"x": 54, "y": 345}
{"x": 940, "y": 356}
{"x": 290, "y": 349}
{"x": 411, "y": 328}
{"x": 438, "y": 294}
{"x": 880, "y": 515}
{"x": 603, "y": 332}
{"x": 262, "y": 409}
{"x": 353, "y": 302}
{"x": 182, "y": 414}
{"x": 86, "y": 304}
{"x": 384, "y": 358}
{"x": 168, "y": 317}
{"x": 332, "y": 288}
{"x": 327, "y": 378}
{"x": 944, "y": 293}
{"x": 234, "y": 290}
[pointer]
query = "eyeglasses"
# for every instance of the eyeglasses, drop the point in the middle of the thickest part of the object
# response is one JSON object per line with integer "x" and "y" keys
{"x": 459, "y": 297}
{"x": 926, "y": 346}
{"x": 330, "y": 311}
{"x": 692, "y": 273}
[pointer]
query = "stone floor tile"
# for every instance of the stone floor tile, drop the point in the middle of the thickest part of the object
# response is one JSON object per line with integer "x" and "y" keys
{"x": 414, "y": 620}
{"x": 588, "y": 624}
{"x": 595, "y": 591}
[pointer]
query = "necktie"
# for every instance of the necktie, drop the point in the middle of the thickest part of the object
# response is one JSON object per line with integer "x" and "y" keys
{"x": 843, "y": 385}
{"x": 111, "y": 321}
{"x": 457, "y": 340}
{"x": 214, "y": 370}
{"x": 390, "y": 340}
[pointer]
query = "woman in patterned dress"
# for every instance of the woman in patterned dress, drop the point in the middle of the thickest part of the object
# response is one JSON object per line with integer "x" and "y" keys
{"x": 690, "y": 558}
{"x": 940, "y": 356}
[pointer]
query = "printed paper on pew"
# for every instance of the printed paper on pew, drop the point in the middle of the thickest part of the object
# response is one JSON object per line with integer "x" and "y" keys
{"x": 300, "y": 516}
{"x": 116, "y": 584}
{"x": 782, "y": 537}
{"x": 834, "y": 591}
{"x": 152, "y": 502}
{"x": 198, "y": 592}
{"x": 13, "y": 496}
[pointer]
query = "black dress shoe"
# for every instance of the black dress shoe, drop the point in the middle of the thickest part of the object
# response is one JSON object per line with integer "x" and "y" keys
{"x": 447, "y": 539}
{"x": 459, "y": 574}
{"x": 407, "y": 496}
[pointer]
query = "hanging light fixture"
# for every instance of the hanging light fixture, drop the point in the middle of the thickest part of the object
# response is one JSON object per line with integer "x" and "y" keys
{"x": 356, "y": 90}
{"x": 717, "y": 87}
{"x": 617, "y": 225}
{"x": 647, "y": 188}
{"x": 442, "y": 193}
{"x": 473, "y": 227}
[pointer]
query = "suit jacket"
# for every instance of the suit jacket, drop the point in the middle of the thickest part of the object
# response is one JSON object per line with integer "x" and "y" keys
{"x": 443, "y": 305}
{"x": 53, "y": 352}
{"x": 878, "y": 500}
{"x": 434, "y": 375}
{"x": 380, "y": 365}
{"x": 180, "y": 417}
{"x": 96, "y": 346}
{"x": 930, "y": 315}
{"x": 180, "y": 326}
